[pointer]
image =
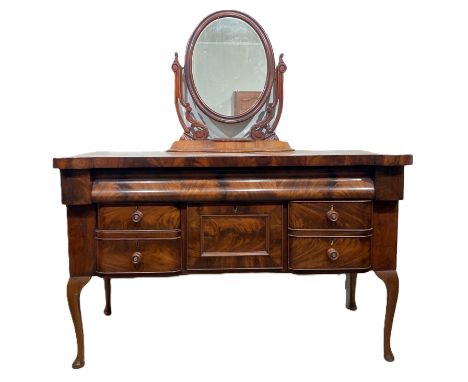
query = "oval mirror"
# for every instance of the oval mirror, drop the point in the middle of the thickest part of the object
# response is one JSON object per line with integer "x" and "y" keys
{"x": 229, "y": 66}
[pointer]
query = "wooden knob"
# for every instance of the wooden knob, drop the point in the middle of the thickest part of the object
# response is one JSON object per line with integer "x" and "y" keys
{"x": 137, "y": 216}
{"x": 333, "y": 254}
{"x": 136, "y": 258}
{"x": 332, "y": 215}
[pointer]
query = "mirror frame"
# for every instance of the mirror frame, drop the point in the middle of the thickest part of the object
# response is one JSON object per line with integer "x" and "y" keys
{"x": 270, "y": 58}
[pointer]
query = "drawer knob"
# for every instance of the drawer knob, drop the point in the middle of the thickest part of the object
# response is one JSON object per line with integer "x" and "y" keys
{"x": 137, "y": 216}
{"x": 332, "y": 215}
{"x": 136, "y": 258}
{"x": 333, "y": 254}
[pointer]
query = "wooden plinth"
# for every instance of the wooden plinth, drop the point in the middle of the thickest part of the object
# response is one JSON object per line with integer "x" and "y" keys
{"x": 230, "y": 146}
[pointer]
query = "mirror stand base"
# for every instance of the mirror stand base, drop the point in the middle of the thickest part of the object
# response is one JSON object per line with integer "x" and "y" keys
{"x": 229, "y": 146}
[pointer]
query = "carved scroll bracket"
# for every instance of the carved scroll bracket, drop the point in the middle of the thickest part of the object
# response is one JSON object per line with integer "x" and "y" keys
{"x": 196, "y": 128}
{"x": 265, "y": 129}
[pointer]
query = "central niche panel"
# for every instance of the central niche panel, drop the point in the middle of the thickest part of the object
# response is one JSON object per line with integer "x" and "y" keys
{"x": 236, "y": 236}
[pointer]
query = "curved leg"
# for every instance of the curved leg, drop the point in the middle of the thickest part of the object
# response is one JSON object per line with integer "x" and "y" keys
{"x": 74, "y": 286}
{"x": 350, "y": 285}
{"x": 107, "y": 287}
{"x": 390, "y": 278}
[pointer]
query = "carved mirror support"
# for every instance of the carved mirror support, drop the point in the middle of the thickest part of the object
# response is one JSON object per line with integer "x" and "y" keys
{"x": 229, "y": 90}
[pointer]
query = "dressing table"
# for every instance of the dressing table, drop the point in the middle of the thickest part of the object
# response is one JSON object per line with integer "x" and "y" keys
{"x": 229, "y": 196}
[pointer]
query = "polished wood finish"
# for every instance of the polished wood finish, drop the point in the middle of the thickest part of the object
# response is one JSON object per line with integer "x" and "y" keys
{"x": 107, "y": 288}
{"x": 297, "y": 158}
{"x": 315, "y": 253}
{"x": 220, "y": 188}
{"x": 389, "y": 182}
{"x": 193, "y": 128}
{"x": 238, "y": 236}
{"x": 318, "y": 215}
{"x": 266, "y": 127}
{"x": 76, "y": 187}
{"x": 167, "y": 214}
{"x": 138, "y": 256}
{"x": 245, "y": 100}
{"x": 384, "y": 237}
{"x": 139, "y": 217}
{"x": 74, "y": 287}
{"x": 350, "y": 285}
{"x": 390, "y": 278}
{"x": 229, "y": 146}
{"x": 81, "y": 244}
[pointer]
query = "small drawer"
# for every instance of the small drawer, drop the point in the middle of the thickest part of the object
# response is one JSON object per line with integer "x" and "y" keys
{"x": 142, "y": 217}
{"x": 329, "y": 253}
{"x": 330, "y": 215}
{"x": 139, "y": 256}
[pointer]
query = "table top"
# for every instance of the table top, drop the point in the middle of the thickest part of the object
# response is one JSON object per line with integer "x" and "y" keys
{"x": 298, "y": 158}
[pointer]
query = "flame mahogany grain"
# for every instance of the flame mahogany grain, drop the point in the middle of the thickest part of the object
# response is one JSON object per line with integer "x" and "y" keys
{"x": 167, "y": 214}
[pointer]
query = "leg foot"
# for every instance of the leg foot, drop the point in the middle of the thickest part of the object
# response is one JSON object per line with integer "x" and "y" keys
{"x": 75, "y": 284}
{"x": 350, "y": 285}
{"x": 107, "y": 287}
{"x": 390, "y": 278}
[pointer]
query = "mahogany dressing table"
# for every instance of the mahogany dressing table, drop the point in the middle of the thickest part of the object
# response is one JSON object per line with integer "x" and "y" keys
{"x": 229, "y": 196}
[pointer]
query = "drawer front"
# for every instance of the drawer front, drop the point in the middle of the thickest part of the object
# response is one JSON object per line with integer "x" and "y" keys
{"x": 330, "y": 215}
{"x": 139, "y": 256}
{"x": 227, "y": 237}
{"x": 142, "y": 217}
{"x": 329, "y": 253}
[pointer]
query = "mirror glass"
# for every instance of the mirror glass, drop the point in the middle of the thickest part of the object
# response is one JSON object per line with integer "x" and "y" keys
{"x": 229, "y": 66}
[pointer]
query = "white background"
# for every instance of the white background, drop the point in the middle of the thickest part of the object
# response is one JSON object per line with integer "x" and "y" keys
{"x": 384, "y": 76}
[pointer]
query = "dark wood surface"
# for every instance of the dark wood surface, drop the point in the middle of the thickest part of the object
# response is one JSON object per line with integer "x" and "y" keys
{"x": 156, "y": 256}
{"x": 350, "y": 285}
{"x": 237, "y": 236}
{"x": 296, "y": 158}
{"x": 390, "y": 279}
{"x": 331, "y": 215}
{"x": 245, "y": 100}
{"x": 307, "y": 253}
{"x": 74, "y": 287}
{"x": 138, "y": 217}
{"x": 166, "y": 214}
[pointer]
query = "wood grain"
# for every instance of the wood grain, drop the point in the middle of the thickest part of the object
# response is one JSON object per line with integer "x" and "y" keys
{"x": 296, "y": 158}
{"x": 230, "y": 234}
{"x": 244, "y": 236}
{"x": 313, "y": 215}
{"x": 389, "y": 183}
{"x": 311, "y": 253}
{"x": 76, "y": 187}
{"x": 230, "y": 189}
{"x": 153, "y": 217}
{"x": 158, "y": 256}
{"x": 385, "y": 233}
{"x": 81, "y": 245}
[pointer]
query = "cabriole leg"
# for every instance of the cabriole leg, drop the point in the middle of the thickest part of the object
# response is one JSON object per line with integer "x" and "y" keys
{"x": 74, "y": 286}
{"x": 390, "y": 278}
{"x": 350, "y": 285}
{"x": 107, "y": 287}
